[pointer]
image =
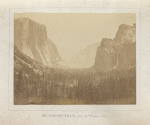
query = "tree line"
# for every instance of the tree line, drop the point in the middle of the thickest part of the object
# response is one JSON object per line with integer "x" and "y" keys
{"x": 32, "y": 86}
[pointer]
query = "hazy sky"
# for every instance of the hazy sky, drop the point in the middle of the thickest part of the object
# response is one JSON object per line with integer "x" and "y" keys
{"x": 72, "y": 32}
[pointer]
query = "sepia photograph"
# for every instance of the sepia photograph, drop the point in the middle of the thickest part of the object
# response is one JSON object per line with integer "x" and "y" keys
{"x": 74, "y": 59}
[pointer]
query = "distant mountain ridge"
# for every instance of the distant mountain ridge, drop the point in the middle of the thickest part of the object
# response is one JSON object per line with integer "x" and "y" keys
{"x": 31, "y": 39}
{"x": 84, "y": 58}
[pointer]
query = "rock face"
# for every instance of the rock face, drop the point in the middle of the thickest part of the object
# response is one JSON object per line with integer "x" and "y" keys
{"x": 31, "y": 39}
{"x": 84, "y": 58}
{"x": 127, "y": 57}
{"x": 23, "y": 62}
{"x": 106, "y": 56}
{"x": 119, "y": 53}
{"x": 126, "y": 34}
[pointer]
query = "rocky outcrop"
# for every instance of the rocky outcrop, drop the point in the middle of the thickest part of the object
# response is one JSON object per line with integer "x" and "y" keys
{"x": 106, "y": 55}
{"x": 31, "y": 39}
{"x": 126, "y": 34}
{"x": 23, "y": 62}
{"x": 119, "y": 53}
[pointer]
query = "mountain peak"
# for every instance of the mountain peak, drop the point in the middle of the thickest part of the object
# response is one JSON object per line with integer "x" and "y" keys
{"x": 27, "y": 20}
{"x": 125, "y": 34}
{"x": 84, "y": 58}
{"x": 106, "y": 42}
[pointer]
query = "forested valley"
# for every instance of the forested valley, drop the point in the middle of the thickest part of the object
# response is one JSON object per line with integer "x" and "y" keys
{"x": 37, "y": 84}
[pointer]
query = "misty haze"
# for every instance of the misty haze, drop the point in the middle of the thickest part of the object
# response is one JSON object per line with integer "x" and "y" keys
{"x": 74, "y": 59}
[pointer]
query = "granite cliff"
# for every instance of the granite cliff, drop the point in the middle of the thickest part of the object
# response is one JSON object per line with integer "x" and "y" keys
{"x": 117, "y": 53}
{"x": 31, "y": 39}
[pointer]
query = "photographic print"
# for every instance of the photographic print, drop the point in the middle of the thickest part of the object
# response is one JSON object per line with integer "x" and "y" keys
{"x": 74, "y": 59}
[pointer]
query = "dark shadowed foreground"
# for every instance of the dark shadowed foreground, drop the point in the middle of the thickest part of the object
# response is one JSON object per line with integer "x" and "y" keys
{"x": 37, "y": 84}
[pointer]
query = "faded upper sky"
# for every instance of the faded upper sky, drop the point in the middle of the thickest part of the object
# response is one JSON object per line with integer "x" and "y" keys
{"x": 72, "y": 32}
